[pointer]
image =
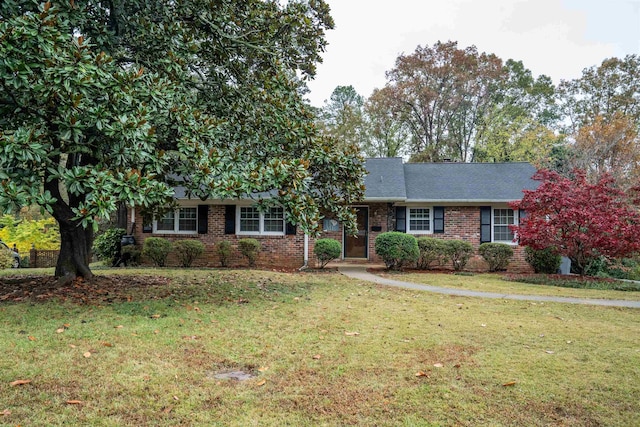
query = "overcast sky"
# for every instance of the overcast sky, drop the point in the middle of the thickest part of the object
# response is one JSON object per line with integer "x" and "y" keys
{"x": 558, "y": 38}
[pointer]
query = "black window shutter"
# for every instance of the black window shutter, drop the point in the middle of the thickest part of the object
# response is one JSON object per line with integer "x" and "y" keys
{"x": 485, "y": 224}
{"x": 438, "y": 219}
{"x": 230, "y": 219}
{"x": 290, "y": 229}
{"x": 401, "y": 218}
{"x": 203, "y": 219}
{"x": 522, "y": 214}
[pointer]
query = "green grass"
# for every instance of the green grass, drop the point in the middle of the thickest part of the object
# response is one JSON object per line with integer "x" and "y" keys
{"x": 153, "y": 356}
{"x": 495, "y": 283}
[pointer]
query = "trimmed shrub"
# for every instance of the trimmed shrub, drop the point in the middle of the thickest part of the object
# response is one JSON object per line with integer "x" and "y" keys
{"x": 459, "y": 252}
{"x": 431, "y": 250}
{"x": 157, "y": 249}
{"x": 326, "y": 250}
{"x": 106, "y": 246}
{"x": 543, "y": 261}
{"x": 249, "y": 248}
{"x": 188, "y": 250}
{"x": 497, "y": 255}
{"x": 397, "y": 249}
{"x": 131, "y": 255}
{"x": 223, "y": 248}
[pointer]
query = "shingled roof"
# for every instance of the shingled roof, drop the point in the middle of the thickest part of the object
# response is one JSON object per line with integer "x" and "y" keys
{"x": 390, "y": 180}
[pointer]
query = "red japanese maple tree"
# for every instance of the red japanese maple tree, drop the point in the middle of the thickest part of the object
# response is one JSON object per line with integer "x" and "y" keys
{"x": 578, "y": 219}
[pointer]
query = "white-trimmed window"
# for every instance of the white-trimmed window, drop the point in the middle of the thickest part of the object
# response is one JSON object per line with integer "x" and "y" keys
{"x": 502, "y": 219}
{"x": 419, "y": 220}
{"x": 251, "y": 221}
{"x": 182, "y": 220}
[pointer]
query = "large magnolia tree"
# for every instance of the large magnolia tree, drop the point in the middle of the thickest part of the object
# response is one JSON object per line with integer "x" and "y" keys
{"x": 107, "y": 103}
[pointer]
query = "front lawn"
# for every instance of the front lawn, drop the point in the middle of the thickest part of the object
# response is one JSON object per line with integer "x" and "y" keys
{"x": 323, "y": 349}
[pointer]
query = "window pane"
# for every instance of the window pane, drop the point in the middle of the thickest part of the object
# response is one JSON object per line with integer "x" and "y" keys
{"x": 419, "y": 219}
{"x": 188, "y": 220}
{"x": 274, "y": 220}
{"x": 167, "y": 222}
{"x": 249, "y": 219}
{"x": 502, "y": 219}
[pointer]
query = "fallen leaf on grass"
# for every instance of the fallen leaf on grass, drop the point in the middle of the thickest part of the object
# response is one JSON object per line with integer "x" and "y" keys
{"x": 107, "y": 344}
{"x": 261, "y": 382}
{"x": 317, "y": 357}
{"x": 421, "y": 374}
{"x": 352, "y": 334}
{"x": 438, "y": 365}
{"x": 263, "y": 368}
{"x": 74, "y": 402}
{"x": 87, "y": 354}
{"x": 59, "y": 330}
{"x": 155, "y": 316}
{"x": 32, "y": 338}
{"x": 118, "y": 327}
{"x": 509, "y": 384}
{"x": 19, "y": 382}
{"x": 549, "y": 351}
{"x": 5, "y": 412}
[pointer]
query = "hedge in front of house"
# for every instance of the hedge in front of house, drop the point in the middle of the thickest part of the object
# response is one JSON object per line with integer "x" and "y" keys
{"x": 459, "y": 252}
{"x": 106, "y": 246}
{"x": 431, "y": 250}
{"x": 326, "y": 250}
{"x": 397, "y": 249}
{"x": 223, "y": 248}
{"x": 544, "y": 261}
{"x": 157, "y": 249}
{"x": 497, "y": 255}
{"x": 188, "y": 250}
{"x": 250, "y": 249}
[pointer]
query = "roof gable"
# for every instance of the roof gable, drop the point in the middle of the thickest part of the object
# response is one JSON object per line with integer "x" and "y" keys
{"x": 385, "y": 179}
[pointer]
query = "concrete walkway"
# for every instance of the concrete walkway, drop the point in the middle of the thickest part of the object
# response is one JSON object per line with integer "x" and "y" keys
{"x": 360, "y": 272}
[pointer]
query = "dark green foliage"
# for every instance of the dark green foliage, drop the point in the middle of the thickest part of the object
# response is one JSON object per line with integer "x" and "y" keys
{"x": 188, "y": 250}
{"x": 223, "y": 248}
{"x": 543, "y": 261}
{"x": 107, "y": 245}
{"x": 327, "y": 250}
{"x": 431, "y": 250}
{"x": 157, "y": 249}
{"x": 250, "y": 249}
{"x": 397, "y": 249}
{"x": 459, "y": 253}
{"x": 131, "y": 255}
{"x": 105, "y": 103}
{"x": 497, "y": 255}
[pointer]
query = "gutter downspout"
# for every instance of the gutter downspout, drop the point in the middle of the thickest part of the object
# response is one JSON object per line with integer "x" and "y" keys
{"x": 306, "y": 253}
{"x": 133, "y": 219}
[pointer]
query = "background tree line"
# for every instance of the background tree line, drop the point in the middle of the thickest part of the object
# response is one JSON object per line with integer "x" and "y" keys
{"x": 443, "y": 102}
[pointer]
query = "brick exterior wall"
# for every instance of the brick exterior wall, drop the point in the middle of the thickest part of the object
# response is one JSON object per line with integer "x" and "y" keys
{"x": 278, "y": 252}
{"x": 286, "y": 252}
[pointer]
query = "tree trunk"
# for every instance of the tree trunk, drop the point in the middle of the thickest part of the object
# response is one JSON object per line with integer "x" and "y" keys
{"x": 75, "y": 252}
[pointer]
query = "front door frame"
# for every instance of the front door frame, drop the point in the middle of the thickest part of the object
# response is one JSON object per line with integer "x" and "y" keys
{"x": 365, "y": 233}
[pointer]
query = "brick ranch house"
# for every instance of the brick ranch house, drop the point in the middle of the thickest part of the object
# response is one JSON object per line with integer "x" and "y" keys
{"x": 465, "y": 201}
